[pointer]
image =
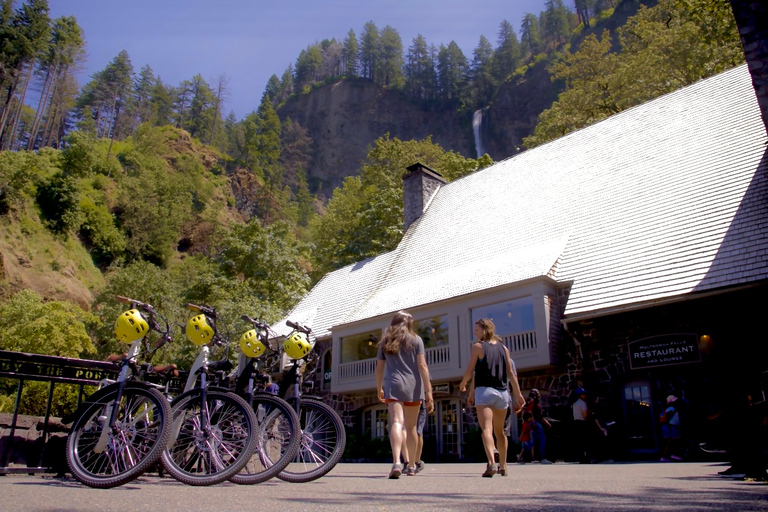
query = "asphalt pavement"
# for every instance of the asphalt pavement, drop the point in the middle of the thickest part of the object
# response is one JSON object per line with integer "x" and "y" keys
{"x": 364, "y": 487}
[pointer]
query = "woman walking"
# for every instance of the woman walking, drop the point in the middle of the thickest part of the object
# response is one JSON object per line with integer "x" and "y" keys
{"x": 402, "y": 381}
{"x": 492, "y": 368}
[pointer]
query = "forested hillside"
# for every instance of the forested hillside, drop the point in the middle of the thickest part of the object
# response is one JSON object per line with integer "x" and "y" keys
{"x": 129, "y": 185}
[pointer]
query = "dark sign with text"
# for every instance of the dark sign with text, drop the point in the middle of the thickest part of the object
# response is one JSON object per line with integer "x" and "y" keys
{"x": 664, "y": 350}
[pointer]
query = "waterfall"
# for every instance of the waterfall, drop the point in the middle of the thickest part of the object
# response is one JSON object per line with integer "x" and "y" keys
{"x": 477, "y": 122}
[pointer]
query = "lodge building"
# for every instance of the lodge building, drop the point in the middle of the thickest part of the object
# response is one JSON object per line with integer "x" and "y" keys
{"x": 629, "y": 257}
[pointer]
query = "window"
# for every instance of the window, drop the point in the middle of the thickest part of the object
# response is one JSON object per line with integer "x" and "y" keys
{"x": 510, "y": 317}
{"x": 376, "y": 419}
{"x": 359, "y": 346}
{"x": 434, "y": 331}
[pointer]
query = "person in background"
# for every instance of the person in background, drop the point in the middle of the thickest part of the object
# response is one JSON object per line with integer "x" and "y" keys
{"x": 271, "y": 387}
{"x": 529, "y": 425}
{"x": 580, "y": 432}
{"x": 490, "y": 367}
{"x": 670, "y": 431}
{"x": 402, "y": 382}
{"x": 541, "y": 423}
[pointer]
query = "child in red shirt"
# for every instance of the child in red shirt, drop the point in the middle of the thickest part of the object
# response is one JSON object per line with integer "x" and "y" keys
{"x": 526, "y": 439}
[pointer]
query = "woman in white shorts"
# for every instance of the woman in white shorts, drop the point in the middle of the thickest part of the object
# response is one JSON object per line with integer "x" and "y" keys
{"x": 492, "y": 368}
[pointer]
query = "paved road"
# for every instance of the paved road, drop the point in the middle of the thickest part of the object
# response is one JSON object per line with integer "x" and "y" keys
{"x": 363, "y": 487}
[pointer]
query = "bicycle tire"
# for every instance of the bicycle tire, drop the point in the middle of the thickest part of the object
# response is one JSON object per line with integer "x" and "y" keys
{"x": 322, "y": 443}
{"x": 133, "y": 446}
{"x": 196, "y": 456}
{"x": 278, "y": 439}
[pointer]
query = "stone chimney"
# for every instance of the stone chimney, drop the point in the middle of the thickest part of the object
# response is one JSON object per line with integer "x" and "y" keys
{"x": 420, "y": 183}
{"x": 752, "y": 20}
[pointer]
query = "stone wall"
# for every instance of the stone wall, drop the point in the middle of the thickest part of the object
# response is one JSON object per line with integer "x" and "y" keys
{"x": 27, "y": 445}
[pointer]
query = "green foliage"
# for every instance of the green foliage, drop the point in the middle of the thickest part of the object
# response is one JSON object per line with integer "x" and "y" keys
{"x": 269, "y": 259}
{"x": 21, "y": 173}
{"x": 98, "y": 229}
{"x": 59, "y": 200}
{"x": 666, "y": 47}
{"x": 59, "y": 328}
{"x": 80, "y": 154}
{"x": 364, "y": 218}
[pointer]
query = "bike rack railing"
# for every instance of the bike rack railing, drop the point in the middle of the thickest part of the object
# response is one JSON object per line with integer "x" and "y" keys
{"x": 52, "y": 369}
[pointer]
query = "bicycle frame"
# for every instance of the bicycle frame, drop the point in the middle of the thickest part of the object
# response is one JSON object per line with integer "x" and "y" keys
{"x": 127, "y": 365}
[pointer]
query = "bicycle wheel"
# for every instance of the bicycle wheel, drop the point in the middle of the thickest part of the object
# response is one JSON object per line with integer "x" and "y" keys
{"x": 102, "y": 457}
{"x": 322, "y": 443}
{"x": 209, "y": 442}
{"x": 278, "y": 439}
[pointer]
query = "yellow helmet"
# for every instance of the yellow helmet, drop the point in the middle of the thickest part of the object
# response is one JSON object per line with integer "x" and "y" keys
{"x": 198, "y": 331}
{"x": 251, "y": 345}
{"x": 296, "y": 345}
{"x": 130, "y": 326}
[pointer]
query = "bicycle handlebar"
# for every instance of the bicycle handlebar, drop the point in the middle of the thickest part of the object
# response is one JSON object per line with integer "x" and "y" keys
{"x": 298, "y": 326}
{"x": 207, "y": 310}
{"x": 256, "y": 323}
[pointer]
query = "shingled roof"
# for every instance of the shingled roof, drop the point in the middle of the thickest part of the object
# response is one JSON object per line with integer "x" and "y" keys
{"x": 661, "y": 200}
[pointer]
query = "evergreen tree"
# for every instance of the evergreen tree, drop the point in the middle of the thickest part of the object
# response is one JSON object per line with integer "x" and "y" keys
{"x": 308, "y": 65}
{"x": 390, "y": 68}
{"x": 582, "y": 11}
{"x": 286, "y": 84}
{"x": 217, "y": 136}
{"x": 421, "y": 79}
{"x": 24, "y": 38}
{"x": 452, "y": 72}
{"x": 507, "y": 54}
{"x": 332, "y": 51}
{"x": 202, "y": 108}
{"x": 272, "y": 90}
{"x": 182, "y": 96}
{"x": 145, "y": 85}
{"x": 109, "y": 94}
{"x": 162, "y": 104}
{"x": 555, "y": 24}
{"x": 66, "y": 51}
{"x": 483, "y": 83}
{"x": 369, "y": 50}
{"x": 530, "y": 40}
{"x": 350, "y": 56}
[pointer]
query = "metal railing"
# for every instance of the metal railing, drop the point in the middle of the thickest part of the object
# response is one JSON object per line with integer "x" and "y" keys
{"x": 54, "y": 370}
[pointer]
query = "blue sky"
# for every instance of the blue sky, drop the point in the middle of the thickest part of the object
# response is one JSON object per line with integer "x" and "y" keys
{"x": 249, "y": 41}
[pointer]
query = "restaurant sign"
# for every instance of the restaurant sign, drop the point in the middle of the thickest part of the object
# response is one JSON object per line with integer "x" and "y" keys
{"x": 663, "y": 350}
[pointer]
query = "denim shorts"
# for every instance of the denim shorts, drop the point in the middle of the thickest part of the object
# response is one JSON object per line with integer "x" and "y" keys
{"x": 492, "y": 397}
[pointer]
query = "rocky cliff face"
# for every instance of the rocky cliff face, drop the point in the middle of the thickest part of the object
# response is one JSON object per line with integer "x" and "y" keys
{"x": 515, "y": 108}
{"x": 344, "y": 119}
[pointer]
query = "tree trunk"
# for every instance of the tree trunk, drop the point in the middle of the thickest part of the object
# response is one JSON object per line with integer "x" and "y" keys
{"x": 7, "y": 107}
{"x": 15, "y": 125}
{"x": 751, "y": 16}
{"x": 41, "y": 106}
{"x": 112, "y": 138}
